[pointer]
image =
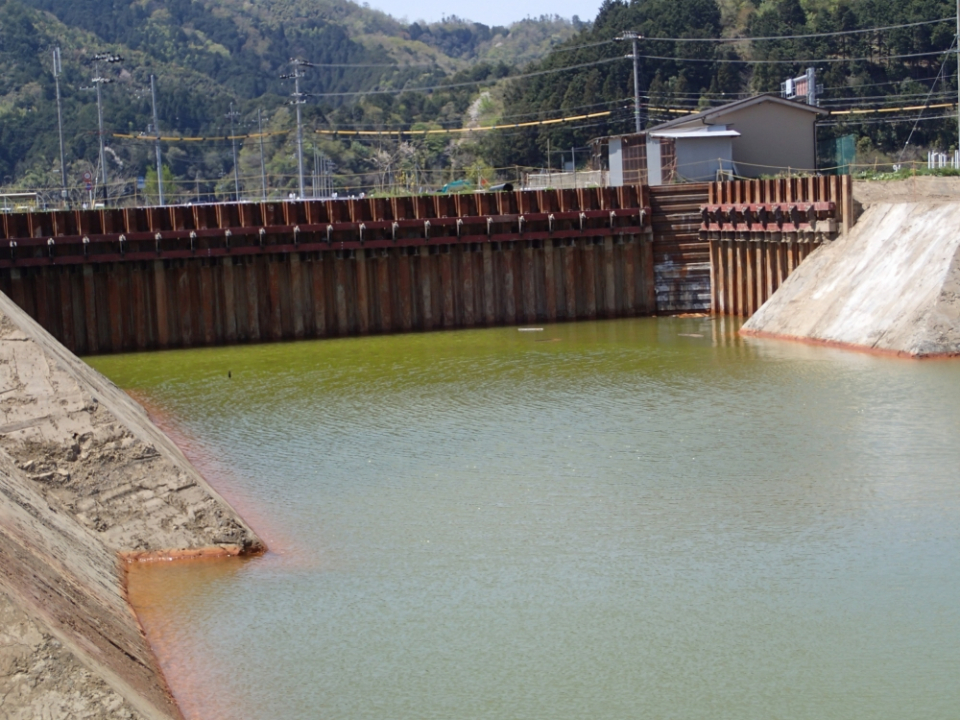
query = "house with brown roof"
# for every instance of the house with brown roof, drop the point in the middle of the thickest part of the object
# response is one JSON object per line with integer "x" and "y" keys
{"x": 759, "y": 136}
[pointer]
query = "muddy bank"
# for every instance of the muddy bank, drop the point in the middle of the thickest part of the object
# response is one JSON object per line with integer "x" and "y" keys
{"x": 891, "y": 286}
{"x": 87, "y": 483}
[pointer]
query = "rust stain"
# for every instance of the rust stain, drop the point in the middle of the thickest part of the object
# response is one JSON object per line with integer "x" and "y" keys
{"x": 882, "y": 352}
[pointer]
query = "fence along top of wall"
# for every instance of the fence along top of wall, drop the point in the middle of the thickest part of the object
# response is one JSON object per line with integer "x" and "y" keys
{"x": 109, "y": 235}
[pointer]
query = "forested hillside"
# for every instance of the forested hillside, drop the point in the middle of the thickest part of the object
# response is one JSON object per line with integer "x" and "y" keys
{"x": 370, "y": 72}
{"x": 887, "y": 69}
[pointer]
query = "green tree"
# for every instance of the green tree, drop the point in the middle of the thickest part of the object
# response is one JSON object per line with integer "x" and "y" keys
{"x": 151, "y": 190}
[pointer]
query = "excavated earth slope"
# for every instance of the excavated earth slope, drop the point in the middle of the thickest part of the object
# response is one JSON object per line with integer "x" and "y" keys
{"x": 87, "y": 483}
{"x": 891, "y": 285}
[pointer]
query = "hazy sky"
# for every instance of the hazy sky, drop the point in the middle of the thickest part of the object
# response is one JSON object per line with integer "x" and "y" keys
{"x": 490, "y": 12}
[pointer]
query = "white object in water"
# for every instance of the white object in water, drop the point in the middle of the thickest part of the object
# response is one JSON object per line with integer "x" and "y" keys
{"x": 530, "y": 329}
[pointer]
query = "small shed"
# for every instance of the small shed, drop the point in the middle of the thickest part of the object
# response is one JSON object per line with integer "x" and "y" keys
{"x": 762, "y": 135}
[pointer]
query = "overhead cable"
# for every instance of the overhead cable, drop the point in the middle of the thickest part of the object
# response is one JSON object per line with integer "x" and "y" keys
{"x": 470, "y": 83}
{"x": 799, "y": 61}
{"x": 951, "y": 19}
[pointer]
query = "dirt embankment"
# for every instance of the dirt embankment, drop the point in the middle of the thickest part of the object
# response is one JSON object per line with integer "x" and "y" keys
{"x": 926, "y": 189}
{"x": 87, "y": 483}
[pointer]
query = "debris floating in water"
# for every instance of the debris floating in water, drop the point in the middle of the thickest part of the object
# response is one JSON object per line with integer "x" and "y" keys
{"x": 688, "y": 335}
{"x": 530, "y": 329}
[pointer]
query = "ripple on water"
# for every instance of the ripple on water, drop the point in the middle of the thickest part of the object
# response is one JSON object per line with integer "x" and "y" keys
{"x": 625, "y": 521}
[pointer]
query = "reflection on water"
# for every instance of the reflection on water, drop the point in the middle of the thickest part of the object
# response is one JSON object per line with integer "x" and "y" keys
{"x": 641, "y": 518}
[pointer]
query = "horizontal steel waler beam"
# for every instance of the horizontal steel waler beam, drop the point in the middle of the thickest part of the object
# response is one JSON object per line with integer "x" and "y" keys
{"x": 359, "y": 227}
{"x": 771, "y": 207}
{"x": 313, "y": 246}
{"x": 827, "y": 227}
{"x": 769, "y": 217}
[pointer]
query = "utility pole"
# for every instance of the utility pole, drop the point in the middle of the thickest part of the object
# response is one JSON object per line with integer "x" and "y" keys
{"x": 263, "y": 165}
{"x": 57, "y": 69}
{"x": 812, "y": 100}
{"x": 299, "y": 101}
{"x": 634, "y": 37}
{"x": 233, "y": 138}
{"x": 156, "y": 130}
{"x": 98, "y": 81}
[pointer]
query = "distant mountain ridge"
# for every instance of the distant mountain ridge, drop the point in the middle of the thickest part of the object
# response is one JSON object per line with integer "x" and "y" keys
{"x": 208, "y": 54}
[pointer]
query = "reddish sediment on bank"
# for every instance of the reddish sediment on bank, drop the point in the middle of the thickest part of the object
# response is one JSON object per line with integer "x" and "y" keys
{"x": 881, "y": 352}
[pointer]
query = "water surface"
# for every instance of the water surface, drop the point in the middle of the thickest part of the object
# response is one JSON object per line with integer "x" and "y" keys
{"x": 638, "y": 518}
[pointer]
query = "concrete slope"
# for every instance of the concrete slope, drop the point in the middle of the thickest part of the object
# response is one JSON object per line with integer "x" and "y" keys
{"x": 892, "y": 285}
{"x": 69, "y": 644}
{"x": 97, "y": 457}
{"x": 87, "y": 483}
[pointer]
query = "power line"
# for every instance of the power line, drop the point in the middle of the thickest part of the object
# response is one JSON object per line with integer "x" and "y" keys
{"x": 504, "y": 117}
{"x": 581, "y": 47}
{"x": 878, "y": 121}
{"x": 888, "y": 82}
{"x": 450, "y": 131}
{"x": 738, "y": 95}
{"x": 358, "y": 131}
{"x": 307, "y": 63}
{"x": 790, "y": 62}
{"x": 382, "y": 132}
{"x": 882, "y": 98}
{"x": 956, "y": 39}
{"x": 470, "y": 83}
{"x": 866, "y": 111}
{"x": 806, "y": 36}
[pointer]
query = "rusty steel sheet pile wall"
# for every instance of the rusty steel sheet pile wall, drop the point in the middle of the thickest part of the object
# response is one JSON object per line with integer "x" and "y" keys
{"x": 759, "y": 231}
{"x": 142, "y": 278}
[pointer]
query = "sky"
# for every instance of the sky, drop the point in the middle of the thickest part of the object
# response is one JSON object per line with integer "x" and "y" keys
{"x": 491, "y": 12}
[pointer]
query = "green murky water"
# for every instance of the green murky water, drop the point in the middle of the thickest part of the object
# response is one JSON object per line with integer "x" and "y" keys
{"x": 645, "y": 518}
